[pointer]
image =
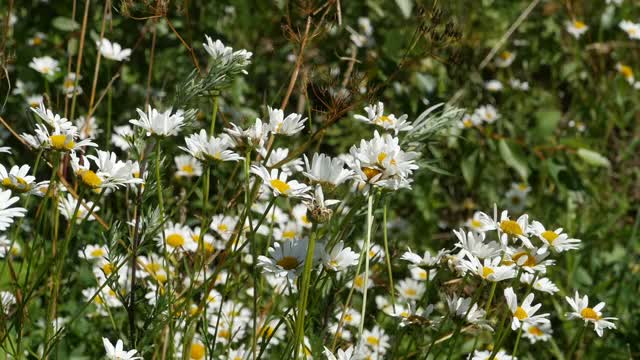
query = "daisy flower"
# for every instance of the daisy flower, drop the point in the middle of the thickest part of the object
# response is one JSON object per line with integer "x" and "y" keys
{"x": 350, "y": 317}
{"x": 340, "y": 354}
{"x": 117, "y": 352}
{"x": 410, "y": 289}
{"x": 187, "y": 166}
{"x": 121, "y": 137}
{"x": 474, "y": 245}
{"x": 576, "y": 28}
{"x": 8, "y": 213}
{"x": 67, "y": 205}
{"x": 462, "y": 308}
{"x": 37, "y": 39}
{"x": 87, "y": 128}
{"x": 7, "y": 300}
{"x": 626, "y": 72}
{"x": 375, "y": 116}
{"x": 539, "y": 332}
{"x": 505, "y": 59}
{"x": 524, "y": 313}
{"x": 34, "y": 100}
{"x": 285, "y": 260}
{"x": 209, "y": 148}
{"x": 358, "y": 282}
{"x": 253, "y": 137}
{"x": 493, "y": 85}
{"x": 94, "y": 252}
{"x": 64, "y": 138}
{"x": 339, "y": 258}
{"x": 159, "y": 123}
{"x": 480, "y": 222}
{"x": 556, "y": 239}
{"x": 5, "y": 149}
{"x": 519, "y": 84}
{"x": 376, "y": 339}
{"x": 18, "y": 180}
{"x": 218, "y": 51}
{"x": 542, "y": 283}
{"x": 490, "y": 269}
{"x": 486, "y": 354}
{"x": 487, "y": 113}
{"x": 9, "y": 248}
{"x": 223, "y": 225}
{"x": 632, "y": 29}
{"x": 177, "y": 237}
{"x": 469, "y": 121}
{"x": 581, "y": 310}
{"x": 278, "y": 182}
{"x": 291, "y": 125}
{"x": 516, "y": 229}
{"x": 45, "y": 65}
{"x": 69, "y": 86}
{"x": 112, "y": 50}
{"x": 427, "y": 260}
{"x": 279, "y": 155}
{"x": 299, "y": 214}
{"x": 111, "y": 173}
{"x": 326, "y": 171}
{"x": 528, "y": 260}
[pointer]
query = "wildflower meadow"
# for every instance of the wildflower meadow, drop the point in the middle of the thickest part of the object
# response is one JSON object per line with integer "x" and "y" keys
{"x": 319, "y": 179}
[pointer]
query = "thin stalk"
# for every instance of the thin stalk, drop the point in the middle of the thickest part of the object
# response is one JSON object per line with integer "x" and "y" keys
{"x": 212, "y": 129}
{"x": 515, "y": 347}
{"x": 302, "y": 303}
{"x": 367, "y": 245}
{"x": 388, "y": 255}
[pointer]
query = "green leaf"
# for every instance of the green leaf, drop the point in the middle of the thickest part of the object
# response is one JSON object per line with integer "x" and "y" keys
{"x": 593, "y": 158}
{"x": 515, "y": 161}
{"x": 405, "y": 7}
{"x": 65, "y": 24}
{"x": 468, "y": 167}
{"x": 546, "y": 122}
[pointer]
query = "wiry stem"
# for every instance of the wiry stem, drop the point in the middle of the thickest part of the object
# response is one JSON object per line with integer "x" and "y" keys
{"x": 367, "y": 245}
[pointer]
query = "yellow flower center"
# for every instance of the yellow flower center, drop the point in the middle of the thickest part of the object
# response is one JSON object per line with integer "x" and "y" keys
{"x": 359, "y": 281}
{"x": 46, "y": 69}
{"x": 535, "y": 331}
{"x": 90, "y": 178}
{"x": 511, "y": 227}
{"x": 382, "y": 156}
{"x": 197, "y": 351}
{"x": 486, "y": 271}
{"x": 288, "y": 262}
{"x": 383, "y": 119}
{"x": 289, "y": 234}
{"x": 373, "y": 341}
{"x": 589, "y": 313}
{"x": 410, "y": 292}
{"x": 520, "y": 313}
{"x": 348, "y": 318}
{"x": 626, "y": 71}
{"x": 224, "y": 333}
{"x": 476, "y": 223}
{"x": 187, "y": 169}
{"x": 37, "y": 40}
{"x": 68, "y": 84}
{"x": 107, "y": 268}
{"x": 280, "y": 185}
{"x": 60, "y": 142}
{"x": 175, "y": 240}
{"x": 505, "y": 55}
{"x": 467, "y": 123}
{"x": 223, "y": 227}
{"x": 529, "y": 262}
{"x": 550, "y": 236}
{"x": 97, "y": 252}
{"x": 370, "y": 173}
{"x": 20, "y": 184}
{"x": 305, "y": 219}
{"x": 579, "y": 25}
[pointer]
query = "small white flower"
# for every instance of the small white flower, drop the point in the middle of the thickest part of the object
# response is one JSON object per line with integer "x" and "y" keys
{"x": 68, "y": 204}
{"x": 376, "y": 339}
{"x": 177, "y": 237}
{"x": 410, "y": 289}
{"x": 627, "y": 72}
{"x": 524, "y": 313}
{"x": 555, "y": 240}
{"x": 117, "y": 352}
{"x": 113, "y": 50}
{"x": 225, "y": 54}
{"x": 326, "y": 170}
{"x": 121, "y": 136}
{"x": 278, "y": 182}
{"x": 493, "y": 85}
{"x": 286, "y": 259}
{"x": 427, "y": 260}
{"x": 347, "y": 354}
{"x": 541, "y": 284}
{"x": 339, "y": 258}
{"x": 505, "y": 59}
{"x": 581, "y": 310}
{"x": 472, "y": 244}
{"x": 490, "y": 269}
{"x": 632, "y": 29}
{"x": 7, "y": 213}
{"x": 209, "y": 148}
{"x": 34, "y": 100}
{"x": 486, "y": 354}
{"x": 69, "y": 86}
{"x": 7, "y": 300}
{"x": 487, "y": 113}
{"x": 375, "y": 116}
{"x": 290, "y": 125}
{"x": 519, "y": 84}
{"x": 187, "y": 166}
{"x": 45, "y": 65}
{"x": 576, "y": 28}
{"x": 469, "y": 121}
{"x": 254, "y": 137}
{"x": 539, "y": 332}
{"x": 159, "y": 123}
{"x": 18, "y": 180}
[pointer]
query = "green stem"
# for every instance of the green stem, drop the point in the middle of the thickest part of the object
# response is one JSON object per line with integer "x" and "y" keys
{"x": 302, "y": 303}
{"x": 213, "y": 116}
{"x": 388, "y": 255}
{"x": 515, "y": 347}
{"x": 367, "y": 245}
{"x": 577, "y": 341}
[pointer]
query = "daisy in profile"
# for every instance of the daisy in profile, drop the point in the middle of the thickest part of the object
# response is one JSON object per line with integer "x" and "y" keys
{"x": 525, "y": 313}
{"x": 5, "y": 149}
{"x": 187, "y": 166}
{"x": 376, "y": 116}
{"x": 581, "y": 310}
{"x": 350, "y": 317}
{"x": 218, "y": 51}
{"x": 489, "y": 269}
{"x": 18, "y": 180}
{"x": 63, "y": 137}
{"x": 69, "y": 203}
{"x": 539, "y": 332}
{"x": 528, "y": 260}
{"x": 576, "y": 28}
{"x": 112, "y": 50}
{"x": 111, "y": 173}
{"x": 278, "y": 157}
{"x": 339, "y": 258}
{"x": 427, "y": 260}
{"x": 70, "y": 86}
{"x": 9, "y": 248}
{"x": 480, "y": 222}
{"x": 7, "y": 213}
{"x": 290, "y": 125}
{"x": 117, "y": 352}
{"x": 34, "y": 100}
{"x": 94, "y": 252}
{"x": 626, "y": 72}
{"x": 7, "y": 300}
{"x": 45, "y": 65}
{"x": 632, "y": 29}
{"x": 462, "y": 308}
{"x": 493, "y": 85}
{"x": 472, "y": 244}
{"x": 326, "y": 171}
{"x": 542, "y": 283}
{"x": 253, "y": 137}
{"x": 122, "y": 136}
{"x": 159, "y": 123}
{"x": 285, "y": 260}
{"x": 555, "y": 240}
{"x": 505, "y": 59}
{"x": 210, "y": 148}
{"x": 278, "y": 182}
